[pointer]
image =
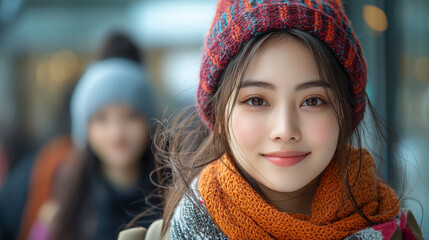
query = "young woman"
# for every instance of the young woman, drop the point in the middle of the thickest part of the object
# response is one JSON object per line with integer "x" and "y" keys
{"x": 282, "y": 94}
{"x": 100, "y": 188}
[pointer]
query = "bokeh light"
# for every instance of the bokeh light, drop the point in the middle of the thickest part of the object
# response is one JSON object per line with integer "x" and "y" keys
{"x": 421, "y": 69}
{"x": 375, "y": 18}
{"x": 62, "y": 66}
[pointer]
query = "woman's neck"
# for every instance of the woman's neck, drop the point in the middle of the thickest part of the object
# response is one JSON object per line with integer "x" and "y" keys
{"x": 122, "y": 178}
{"x": 293, "y": 202}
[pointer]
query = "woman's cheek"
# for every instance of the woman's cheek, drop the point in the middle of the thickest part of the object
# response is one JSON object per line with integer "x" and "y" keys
{"x": 97, "y": 134}
{"x": 248, "y": 128}
{"x": 323, "y": 129}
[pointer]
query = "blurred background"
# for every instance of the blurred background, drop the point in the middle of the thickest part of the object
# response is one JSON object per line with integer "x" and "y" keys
{"x": 45, "y": 46}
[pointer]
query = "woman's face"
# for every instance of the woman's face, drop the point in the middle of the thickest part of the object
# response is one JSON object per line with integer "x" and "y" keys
{"x": 283, "y": 130}
{"x": 118, "y": 135}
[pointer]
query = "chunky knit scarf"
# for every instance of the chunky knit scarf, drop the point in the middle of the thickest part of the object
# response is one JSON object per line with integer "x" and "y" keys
{"x": 228, "y": 208}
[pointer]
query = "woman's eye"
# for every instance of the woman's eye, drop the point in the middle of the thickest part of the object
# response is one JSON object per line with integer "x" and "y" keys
{"x": 255, "y": 101}
{"x": 312, "y": 102}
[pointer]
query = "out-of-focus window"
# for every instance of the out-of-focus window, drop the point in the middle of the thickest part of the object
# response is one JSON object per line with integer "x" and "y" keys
{"x": 395, "y": 40}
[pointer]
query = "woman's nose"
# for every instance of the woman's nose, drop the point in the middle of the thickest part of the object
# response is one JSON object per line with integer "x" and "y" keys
{"x": 285, "y": 126}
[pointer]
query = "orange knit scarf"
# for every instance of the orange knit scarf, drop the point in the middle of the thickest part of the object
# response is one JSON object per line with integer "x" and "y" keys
{"x": 241, "y": 213}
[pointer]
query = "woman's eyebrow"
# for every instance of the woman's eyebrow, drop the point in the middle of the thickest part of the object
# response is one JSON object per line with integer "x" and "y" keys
{"x": 254, "y": 83}
{"x": 312, "y": 84}
{"x": 300, "y": 87}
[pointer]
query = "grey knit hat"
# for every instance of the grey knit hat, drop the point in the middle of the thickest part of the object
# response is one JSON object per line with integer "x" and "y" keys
{"x": 110, "y": 81}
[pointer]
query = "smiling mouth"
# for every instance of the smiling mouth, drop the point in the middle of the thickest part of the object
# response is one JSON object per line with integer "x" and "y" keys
{"x": 285, "y": 159}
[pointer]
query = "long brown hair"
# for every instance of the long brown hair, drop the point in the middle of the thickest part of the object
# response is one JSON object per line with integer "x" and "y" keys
{"x": 184, "y": 145}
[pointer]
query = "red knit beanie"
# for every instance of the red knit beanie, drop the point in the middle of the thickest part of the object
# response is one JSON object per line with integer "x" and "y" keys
{"x": 236, "y": 21}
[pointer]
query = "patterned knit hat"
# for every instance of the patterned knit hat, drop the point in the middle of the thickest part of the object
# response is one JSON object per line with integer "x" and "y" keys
{"x": 236, "y": 21}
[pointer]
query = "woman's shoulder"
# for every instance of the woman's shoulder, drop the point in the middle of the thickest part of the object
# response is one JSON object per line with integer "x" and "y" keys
{"x": 404, "y": 226}
{"x": 191, "y": 218}
{"x": 411, "y": 225}
{"x": 141, "y": 233}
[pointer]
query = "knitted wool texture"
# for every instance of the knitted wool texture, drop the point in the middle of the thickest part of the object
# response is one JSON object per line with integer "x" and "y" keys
{"x": 192, "y": 221}
{"x": 236, "y": 21}
{"x": 241, "y": 213}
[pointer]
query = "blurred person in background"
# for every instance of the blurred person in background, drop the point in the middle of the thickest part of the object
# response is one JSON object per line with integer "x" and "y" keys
{"x": 111, "y": 110}
{"x": 105, "y": 181}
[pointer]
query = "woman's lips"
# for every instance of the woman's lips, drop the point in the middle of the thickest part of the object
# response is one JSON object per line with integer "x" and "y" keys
{"x": 285, "y": 159}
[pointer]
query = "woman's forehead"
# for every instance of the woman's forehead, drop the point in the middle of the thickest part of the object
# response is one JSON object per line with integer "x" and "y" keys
{"x": 282, "y": 62}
